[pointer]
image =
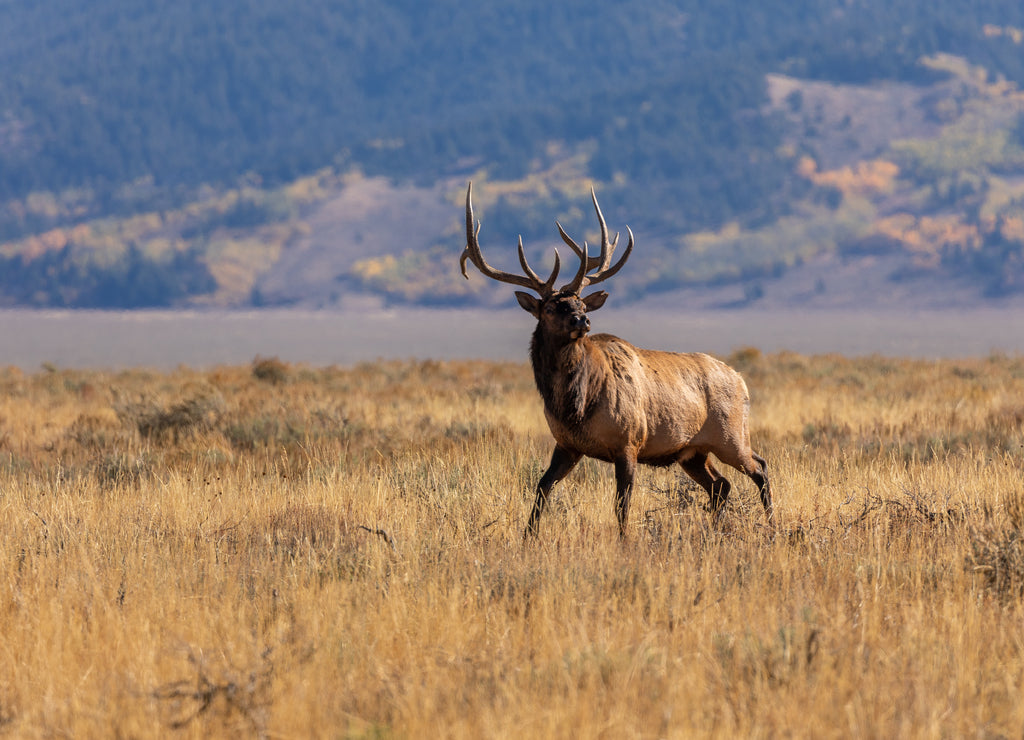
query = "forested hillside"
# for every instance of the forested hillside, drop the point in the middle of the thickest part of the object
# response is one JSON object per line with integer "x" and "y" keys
{"x": 182, "y": 137}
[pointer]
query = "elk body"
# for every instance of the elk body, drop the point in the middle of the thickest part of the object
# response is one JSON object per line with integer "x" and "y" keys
{"x": 606, "y": 399}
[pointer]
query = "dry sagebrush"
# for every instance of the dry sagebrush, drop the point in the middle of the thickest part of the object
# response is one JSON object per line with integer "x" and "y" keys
{"x": 285, "y": 551}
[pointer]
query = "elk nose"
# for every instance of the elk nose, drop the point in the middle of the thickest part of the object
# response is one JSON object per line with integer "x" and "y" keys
{"x": 582, "y": 323}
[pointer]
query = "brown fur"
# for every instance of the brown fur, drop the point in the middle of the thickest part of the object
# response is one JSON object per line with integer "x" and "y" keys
{"x": 606, "y": 399}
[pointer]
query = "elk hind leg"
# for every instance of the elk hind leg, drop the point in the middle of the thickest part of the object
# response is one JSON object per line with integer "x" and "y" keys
{"x": 760, "y": 477}
{"x": 699, "y": 468}
{"x": 562, "y": 463}
{"x": 754, "y": 467}
{"x": 625, "y": 472}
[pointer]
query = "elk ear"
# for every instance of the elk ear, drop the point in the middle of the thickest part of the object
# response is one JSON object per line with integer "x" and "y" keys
{"x": 529, "y": 302}
{"x": 594, "y": 301}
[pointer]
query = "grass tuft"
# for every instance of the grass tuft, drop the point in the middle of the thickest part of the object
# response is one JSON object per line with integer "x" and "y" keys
{"x": 270, "y": 369}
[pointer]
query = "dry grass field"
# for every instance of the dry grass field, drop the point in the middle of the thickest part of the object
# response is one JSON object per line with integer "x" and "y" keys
{"x": 290, "y": 552}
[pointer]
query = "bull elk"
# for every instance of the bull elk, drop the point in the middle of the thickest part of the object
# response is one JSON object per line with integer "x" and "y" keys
{"x": 606, "y": 399}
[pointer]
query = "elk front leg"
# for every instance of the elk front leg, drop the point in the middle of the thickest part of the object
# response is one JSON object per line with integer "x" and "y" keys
{"x": 625, "y": 471}
{"x": 562, "y": 462}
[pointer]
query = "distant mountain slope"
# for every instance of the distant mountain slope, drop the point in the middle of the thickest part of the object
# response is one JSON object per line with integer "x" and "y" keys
{"x": 190, "y": 92}
{"x": 184, "y": 137}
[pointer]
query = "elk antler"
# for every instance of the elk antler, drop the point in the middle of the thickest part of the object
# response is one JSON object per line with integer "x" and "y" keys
{"x": 588, "y": 263}
{"x": 472, "y": 253}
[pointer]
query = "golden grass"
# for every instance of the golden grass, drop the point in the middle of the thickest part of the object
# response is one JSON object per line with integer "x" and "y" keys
{"x": 282, "y": 551}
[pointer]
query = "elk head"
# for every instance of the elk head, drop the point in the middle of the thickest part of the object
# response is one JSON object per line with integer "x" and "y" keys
{"x": 563, "y": 312}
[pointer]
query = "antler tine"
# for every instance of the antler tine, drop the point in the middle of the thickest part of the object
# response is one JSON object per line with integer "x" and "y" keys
{"x": 592, "y": 262}
{"x": 546, "y": 286}
{"x": 580, "y": 281}
{"x": 569, "y": 240}
{"x": 601, "y": 264}
{"x": 602, "y": 275}
{"x": 473, "y": 254}
{"x": 607, "y": 249}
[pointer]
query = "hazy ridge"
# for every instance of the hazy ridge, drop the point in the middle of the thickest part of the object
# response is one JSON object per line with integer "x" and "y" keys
{"x": 246, "y": 157}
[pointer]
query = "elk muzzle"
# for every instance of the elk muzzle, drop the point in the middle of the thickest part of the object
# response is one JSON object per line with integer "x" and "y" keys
{"x": 580, "y": 326}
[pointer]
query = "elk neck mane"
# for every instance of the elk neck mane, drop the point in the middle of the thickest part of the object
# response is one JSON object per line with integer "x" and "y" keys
{"x": 570, "y": 376}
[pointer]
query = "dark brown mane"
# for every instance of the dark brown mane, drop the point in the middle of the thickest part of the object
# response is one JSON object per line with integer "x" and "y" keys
{"x": 569, "y": 384}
